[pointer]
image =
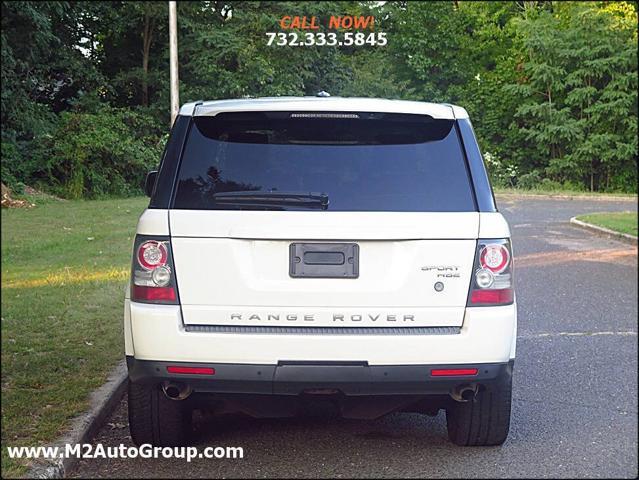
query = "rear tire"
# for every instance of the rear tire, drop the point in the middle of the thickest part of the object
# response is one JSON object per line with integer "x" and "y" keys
{"x": 156, "y": 419}
{"x": 484, "y": 420}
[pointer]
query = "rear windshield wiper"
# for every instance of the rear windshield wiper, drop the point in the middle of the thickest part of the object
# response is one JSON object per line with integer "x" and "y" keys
{"x": 254, "y": 198}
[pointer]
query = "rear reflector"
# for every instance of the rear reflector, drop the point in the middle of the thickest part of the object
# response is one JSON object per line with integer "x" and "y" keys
{"x": 503, "y": 295}
{"x": 191, "y": 370}
{"x": 153, "y": 293}
{"x": 453, "y": 372}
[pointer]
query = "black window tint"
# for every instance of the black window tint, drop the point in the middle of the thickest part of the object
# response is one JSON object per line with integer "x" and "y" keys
{"x": 168, "y": 166}
{"x": 363, "y": 162}
{"x": 483, "y": 190}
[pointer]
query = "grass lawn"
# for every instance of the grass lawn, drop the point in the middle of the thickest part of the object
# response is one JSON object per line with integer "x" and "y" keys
{"x": 64, "y": 270}
{"x": 624, "y": 222}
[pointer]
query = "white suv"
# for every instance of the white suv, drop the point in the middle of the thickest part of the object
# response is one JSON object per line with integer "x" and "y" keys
{"x": 300, "y": 250}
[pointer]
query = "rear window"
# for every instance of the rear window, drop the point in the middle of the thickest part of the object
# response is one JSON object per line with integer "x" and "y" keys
{"x": 361, "y": 161}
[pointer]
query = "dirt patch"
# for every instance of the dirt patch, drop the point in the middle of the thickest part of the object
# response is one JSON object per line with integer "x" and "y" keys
{"x": 605, "y": 255}
{"x": 9, "y": 202}
{"x": 35, "y": 195}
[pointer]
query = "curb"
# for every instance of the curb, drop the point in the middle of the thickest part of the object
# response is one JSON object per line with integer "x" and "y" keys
{"x": 102, "y": 402}
{"x": 599, "y": 198}
{"x": 624, "y": 237}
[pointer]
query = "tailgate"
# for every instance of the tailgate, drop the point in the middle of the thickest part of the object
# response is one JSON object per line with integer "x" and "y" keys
{"x": 233, "y": 268}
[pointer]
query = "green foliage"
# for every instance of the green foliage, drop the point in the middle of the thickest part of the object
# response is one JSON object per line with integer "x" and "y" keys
{"x": 578, "y": 91}
{"x": 428, "y": 39}
{"x": 231, "y": 59}
{"x": 501, "y": 174}
{"x": 551, "y": 86}
{"x": 529, "y": 180}
{"x": 98, "y": 154}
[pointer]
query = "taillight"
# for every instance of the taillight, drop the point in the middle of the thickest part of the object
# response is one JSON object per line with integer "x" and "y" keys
{"x": 152, "y": 254}
{"x": 494, "y": 257}
{"x": 492, "y": 281}
{"x": 152, "y": 275}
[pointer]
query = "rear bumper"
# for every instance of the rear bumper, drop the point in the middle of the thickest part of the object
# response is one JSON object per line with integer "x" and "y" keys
{"x": 295, "y": 378}
{"x": 157, "y": 333}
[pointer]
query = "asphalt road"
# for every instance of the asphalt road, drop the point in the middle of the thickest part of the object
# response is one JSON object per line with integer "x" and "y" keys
{"x": 575, "y": 383}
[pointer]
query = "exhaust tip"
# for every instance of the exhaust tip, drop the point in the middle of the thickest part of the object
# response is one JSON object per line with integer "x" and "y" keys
{"x": 468, "y": 395}
{"x": 464, "y": 393}
{"x": 172, "y": 391}
{"x": 176, "y": 391}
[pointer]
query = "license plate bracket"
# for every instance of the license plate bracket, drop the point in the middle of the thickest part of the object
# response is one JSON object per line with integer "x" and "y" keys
{"x": 324, "y": 260}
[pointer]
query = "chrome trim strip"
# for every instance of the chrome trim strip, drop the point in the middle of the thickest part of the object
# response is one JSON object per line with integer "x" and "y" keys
{"x": 270, "y": 330}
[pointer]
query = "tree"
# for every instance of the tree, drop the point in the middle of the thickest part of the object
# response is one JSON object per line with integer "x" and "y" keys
{"x": 428, "y": 41}
{"x": 43, "y": 72}
{"x": 551, "y": 86}
{"x": 577, "y": 85}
